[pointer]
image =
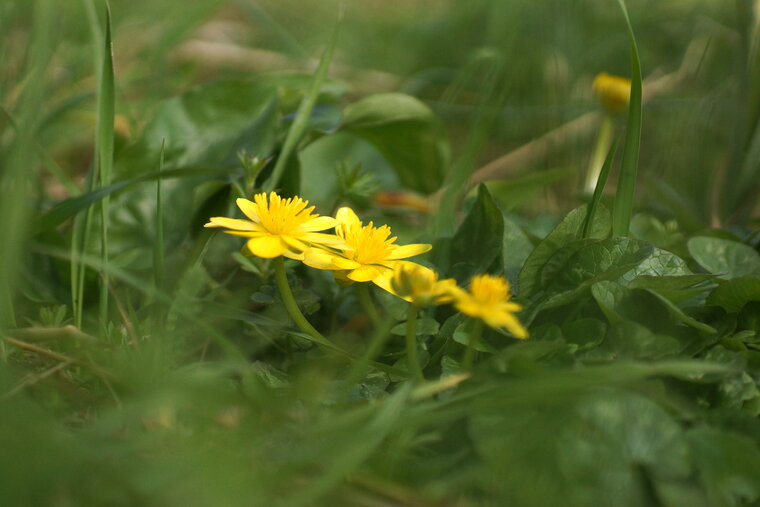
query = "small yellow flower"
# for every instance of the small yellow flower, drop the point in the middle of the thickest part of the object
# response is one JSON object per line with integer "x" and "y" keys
{"x": 417, "y": 284}
{"x": 368, "y": 251}
{"x": 278, "y": 226}
{"x": 613, "y": 91}
{"x": 488, "y": 300}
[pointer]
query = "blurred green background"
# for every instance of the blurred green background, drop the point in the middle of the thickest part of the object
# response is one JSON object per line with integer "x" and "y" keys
{"x": 189, "y": 395}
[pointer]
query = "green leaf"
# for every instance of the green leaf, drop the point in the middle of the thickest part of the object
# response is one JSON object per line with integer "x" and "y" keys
{"x": 406, "y": 132}
{"x": 725, "y": 258}
{"x": 626, "y": 189}
{"x": 659, "y": 263}
{"x": 516, "y": 248}
{"x": 679, "y": 315}
{"x": 585, "y": 332}
{"x": 619, "y": 303}
{"x": 630, "y": 340}
{"x": 601, "y": 260}
{"x": 596, "y": 199}
{"x": 515, "y": 191}
{"x": 728, "y": 466}
{"x": 677, "y": 289}
{"x": 478, "y": 242}
{"x": 607, "y": 259}
{"x": 732, "y": 295}
{"x": 425, "y": 327}
{"x": 567, "y": 231}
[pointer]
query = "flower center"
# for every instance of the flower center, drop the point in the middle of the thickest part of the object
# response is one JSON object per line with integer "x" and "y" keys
{"x": 283, "y": 216}
{"x": 489, "y": 290}
{"x": 370, "y": 244}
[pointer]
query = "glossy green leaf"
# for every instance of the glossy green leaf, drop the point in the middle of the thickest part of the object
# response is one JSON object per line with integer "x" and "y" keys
{"x": 567, "y": 231}
{"x": 728, "y": 259}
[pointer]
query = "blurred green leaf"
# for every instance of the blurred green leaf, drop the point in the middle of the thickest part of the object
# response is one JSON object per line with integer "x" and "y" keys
{"x": 478, "y": 242}
{"x": 406, "y": 132}
{"x": 728, "y": 465}
{"x": 733, "y": 294}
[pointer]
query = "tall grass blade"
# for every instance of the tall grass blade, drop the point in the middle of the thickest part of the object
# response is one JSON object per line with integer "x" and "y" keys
{"x": 626, "y": 189}
{"x": 596, "y": 199}
{"x": 19, "y": 165}
{"x": 305, "y": 108}
{"x": 158, "y": 245}
{"x": 104, "y": 147}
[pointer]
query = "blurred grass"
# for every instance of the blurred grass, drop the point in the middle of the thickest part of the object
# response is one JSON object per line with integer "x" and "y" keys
{"x": 187, "y": 403}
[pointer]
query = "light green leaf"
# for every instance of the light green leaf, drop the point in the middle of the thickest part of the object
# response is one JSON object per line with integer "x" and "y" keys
{"x": 406, "y": 132}
{"x": 728, "y": 259}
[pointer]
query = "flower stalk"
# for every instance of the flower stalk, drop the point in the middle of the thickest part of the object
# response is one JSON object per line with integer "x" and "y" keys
{"x": 469, "y": 352}
{"x": 292, "y": 306}
{"x": 411, "y": 344}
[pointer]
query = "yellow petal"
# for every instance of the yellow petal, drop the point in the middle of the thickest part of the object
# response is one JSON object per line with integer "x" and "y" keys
{"x": 249, "y": 209}
{"x": 233, "y": 223}
{"x": 295, "y": 244}
{"x": 246, "y": 234}
{"x": 319, "y": 259}
{"x": 318, "y": 224}
{"x": 318, "y": 238}
{"x": 405, "y": 251}
{"x": 266, "y": 246}
{"x": 346, "y": 215}
{"x": 364, "y": 273}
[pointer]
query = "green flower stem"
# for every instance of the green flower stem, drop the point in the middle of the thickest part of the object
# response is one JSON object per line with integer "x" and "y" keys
{"x": 411, "y": 344}
{"x": 295, "y": 313}
{"x": 290, "y": 303}
{"x": 469, "y": 353}
{"x": 603, "y": 143}
{"x": 365, "y": 300}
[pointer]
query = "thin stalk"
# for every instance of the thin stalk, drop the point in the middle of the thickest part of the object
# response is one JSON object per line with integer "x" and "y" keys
{"x": 303, "y": 113}
{"x": 469, "y": 353}
{"x": 290, "y": 303}
{"x": 105, "y": 148}
{"x": 603, "y": 142}
{"x": 626, "y": 189}
{"x": 596, "y": 199}
{"x": 365, "y": 300}
{"x": 305, "y": 326}
{"x": 411, "y": 344}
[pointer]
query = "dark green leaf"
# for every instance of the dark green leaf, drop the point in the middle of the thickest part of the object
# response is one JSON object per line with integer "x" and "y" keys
{"x": 478, "y": 242}
{"x": 733, "y": 294}
{"x": 569, "y": 230}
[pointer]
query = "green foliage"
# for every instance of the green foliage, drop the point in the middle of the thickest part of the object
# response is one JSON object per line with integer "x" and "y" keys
{"x": 191, "y": 383}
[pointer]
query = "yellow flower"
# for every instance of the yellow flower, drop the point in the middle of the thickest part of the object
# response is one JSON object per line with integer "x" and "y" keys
{"x": 278, "y": 226}
{"x": 613, "y": 91}
{"x": 488, "y": 300}
{"x": 368, "y": 251}
{"x": 417, "y": 284}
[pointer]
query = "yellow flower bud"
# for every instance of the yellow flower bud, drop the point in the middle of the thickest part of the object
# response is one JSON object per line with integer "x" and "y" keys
{"x": 613, "y": 91}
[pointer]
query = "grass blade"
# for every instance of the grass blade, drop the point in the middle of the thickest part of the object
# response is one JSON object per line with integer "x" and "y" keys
{"x": 626, "y": 189}
{"x": 304, "y": 110}
{"x": 158, "y": 245}
{"x": 71, "y": 207}
{"x": 104, "y": 147}
{"x": 599, "y": 189}
{"x": 19, "y": 164}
